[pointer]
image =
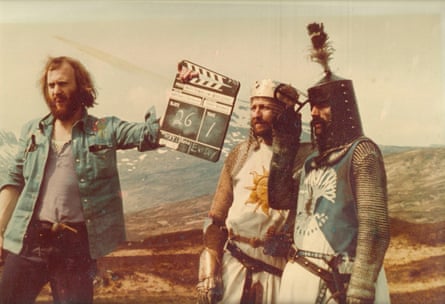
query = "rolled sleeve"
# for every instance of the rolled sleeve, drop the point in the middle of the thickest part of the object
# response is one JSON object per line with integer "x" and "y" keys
{"x": 150, "y": 134}
{"x": 14, "y": 175}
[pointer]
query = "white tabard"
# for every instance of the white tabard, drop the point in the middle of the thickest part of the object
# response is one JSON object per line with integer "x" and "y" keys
{"x": 249, "y": 217}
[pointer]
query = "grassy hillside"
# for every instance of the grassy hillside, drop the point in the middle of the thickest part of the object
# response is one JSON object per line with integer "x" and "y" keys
{"x": 416, "y": 185}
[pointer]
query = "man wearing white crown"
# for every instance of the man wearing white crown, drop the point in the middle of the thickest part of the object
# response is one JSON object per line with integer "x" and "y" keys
{"x": 233, "y": 266}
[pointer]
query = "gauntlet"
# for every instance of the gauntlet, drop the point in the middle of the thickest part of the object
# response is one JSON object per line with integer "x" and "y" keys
{"x": 210, "y": 286}
{"x": 287, "y": 94}
{"x": 287, "y": 129}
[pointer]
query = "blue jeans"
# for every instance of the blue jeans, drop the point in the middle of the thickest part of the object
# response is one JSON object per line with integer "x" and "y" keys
{"x": 61, "y": 258}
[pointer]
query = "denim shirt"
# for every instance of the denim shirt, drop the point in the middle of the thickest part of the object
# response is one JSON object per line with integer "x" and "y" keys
{"x": 94, "y": 145}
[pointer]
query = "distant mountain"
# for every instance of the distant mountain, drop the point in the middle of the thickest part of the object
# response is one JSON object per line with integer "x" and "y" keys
{"x": 387, "y": 150}
{"x": 166, "y": 176}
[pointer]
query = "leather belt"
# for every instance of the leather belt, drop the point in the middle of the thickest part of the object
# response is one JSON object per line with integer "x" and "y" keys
{"x": 252, "y": 266}
{"x": 253, "y": 241}
{"x": 294, "y": 256}
{"x": 334, "y": 280}
{"x": 294, "y": 251}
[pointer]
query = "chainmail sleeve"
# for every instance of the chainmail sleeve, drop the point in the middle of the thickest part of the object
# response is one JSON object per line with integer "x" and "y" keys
{"x": 223, "y": 198}
{"x": 369, "y": 184}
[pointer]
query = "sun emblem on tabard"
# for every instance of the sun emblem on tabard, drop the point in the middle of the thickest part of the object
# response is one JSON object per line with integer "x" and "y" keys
{"x": 259, "y": 191}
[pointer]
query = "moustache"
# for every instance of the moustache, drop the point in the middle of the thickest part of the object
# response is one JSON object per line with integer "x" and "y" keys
{"x": 258, "y": 121}
{"x": 58, "y": 98}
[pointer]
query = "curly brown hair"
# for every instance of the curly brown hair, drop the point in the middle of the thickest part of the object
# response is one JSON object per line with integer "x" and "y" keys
{"x": 85, "y": 86}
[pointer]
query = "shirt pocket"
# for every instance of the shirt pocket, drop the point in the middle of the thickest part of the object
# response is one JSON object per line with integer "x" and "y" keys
{"x": 102, "y": 158}
{"x": 33, "y": 156}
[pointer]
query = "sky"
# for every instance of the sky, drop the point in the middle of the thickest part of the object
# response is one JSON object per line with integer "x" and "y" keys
{"x": 392, "y": 50}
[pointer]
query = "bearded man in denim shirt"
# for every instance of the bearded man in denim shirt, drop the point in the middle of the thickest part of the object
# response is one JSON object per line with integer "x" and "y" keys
{"x": 61, "y": 206}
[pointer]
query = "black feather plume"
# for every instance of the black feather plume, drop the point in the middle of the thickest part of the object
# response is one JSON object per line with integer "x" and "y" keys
{"x": 322, "y": 50}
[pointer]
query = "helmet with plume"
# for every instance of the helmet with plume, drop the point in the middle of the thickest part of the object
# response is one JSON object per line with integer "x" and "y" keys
{"x": 334, "y": 91}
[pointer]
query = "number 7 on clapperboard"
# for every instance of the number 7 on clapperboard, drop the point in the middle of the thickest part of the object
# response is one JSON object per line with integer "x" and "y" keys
{"x": 198, "y": 113}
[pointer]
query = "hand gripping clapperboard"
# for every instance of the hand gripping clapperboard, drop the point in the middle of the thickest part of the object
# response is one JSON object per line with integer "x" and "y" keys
{"x": 198, "y": 113}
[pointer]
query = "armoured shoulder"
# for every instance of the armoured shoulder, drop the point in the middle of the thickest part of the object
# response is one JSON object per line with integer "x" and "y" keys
{"x": 368, "y": 167}
{"x": 365, "y": 148}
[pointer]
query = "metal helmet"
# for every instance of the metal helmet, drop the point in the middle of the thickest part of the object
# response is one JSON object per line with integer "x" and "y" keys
{"x": 335, "y": 91}
{"x": 339, "y": 94}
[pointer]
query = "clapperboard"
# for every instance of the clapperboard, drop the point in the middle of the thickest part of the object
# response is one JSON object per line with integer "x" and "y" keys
{"x": 198, "y": 113}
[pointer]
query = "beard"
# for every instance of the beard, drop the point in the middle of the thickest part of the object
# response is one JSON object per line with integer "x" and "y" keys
{"x": 261, "y": 128}
{"x": 64, "y": 107}
{"x": 319, "y": 132}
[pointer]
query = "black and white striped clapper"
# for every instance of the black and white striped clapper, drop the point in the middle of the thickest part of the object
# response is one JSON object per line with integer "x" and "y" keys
{"x": 212, "y": 80}
{"x": 198, "y": 112}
